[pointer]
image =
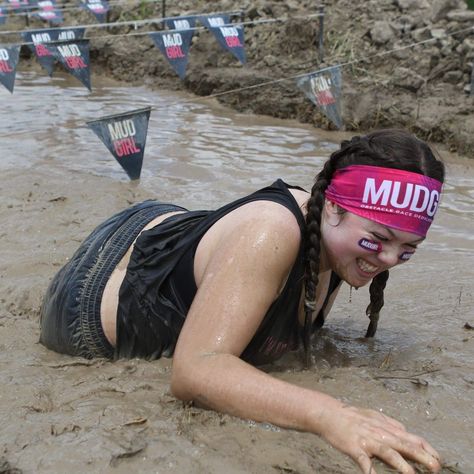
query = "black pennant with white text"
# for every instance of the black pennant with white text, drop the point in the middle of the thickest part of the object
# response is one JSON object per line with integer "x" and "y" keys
{"x": 125, "y": 137}
{"x": 48, "y": 11}
{"x": 37, "y": 38}
{"x": 98, "y": 7}
{"x": 18, "y": 6}
{"x": 175, "y": 48}
{"x": 181, "y": 22}
{"x": 324, "y": 90}
{"x": 8, "y": 61}
{"x": 74, "y": 56}
{"x": 230, "y": 37}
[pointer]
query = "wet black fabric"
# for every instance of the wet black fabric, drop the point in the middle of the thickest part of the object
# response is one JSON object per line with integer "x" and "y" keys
{"x": 70, "y": 314}
{"x": 159, "y": 286}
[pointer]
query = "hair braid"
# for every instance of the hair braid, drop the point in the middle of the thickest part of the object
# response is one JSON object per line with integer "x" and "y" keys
{"x": 313, "y": 251}
{"x": 376, "y": 302}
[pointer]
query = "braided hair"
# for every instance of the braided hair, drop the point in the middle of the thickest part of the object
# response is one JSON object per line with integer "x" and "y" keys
{"x": 390, "y": 148}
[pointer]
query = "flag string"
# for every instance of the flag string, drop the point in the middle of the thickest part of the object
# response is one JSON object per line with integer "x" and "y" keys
{"x": 300, "y": 75}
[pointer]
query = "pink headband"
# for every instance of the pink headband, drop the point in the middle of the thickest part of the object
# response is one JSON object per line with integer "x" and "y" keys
{"x": 400, "y": 199}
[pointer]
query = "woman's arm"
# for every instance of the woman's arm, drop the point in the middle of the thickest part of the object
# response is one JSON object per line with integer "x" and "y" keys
{"x": 246, "y": 268}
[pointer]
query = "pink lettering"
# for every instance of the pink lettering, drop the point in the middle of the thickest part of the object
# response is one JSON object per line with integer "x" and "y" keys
{"x": 41, "y": 50}
{"x": 174, "y": 52}
{"x": 75, "y": 62}
{"x": 4, "y": 66}
{"x": 325, "y": 98}
{"x": 233, "y": 42}
{"x": 125, "y": 147}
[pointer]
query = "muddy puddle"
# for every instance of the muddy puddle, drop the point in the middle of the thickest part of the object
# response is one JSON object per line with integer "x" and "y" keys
{"x": 60, "y": 414}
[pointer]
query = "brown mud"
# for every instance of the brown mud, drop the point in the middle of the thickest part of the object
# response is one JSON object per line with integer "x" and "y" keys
{"x": 424, "y": 88}
{"x": 61, "y": 414}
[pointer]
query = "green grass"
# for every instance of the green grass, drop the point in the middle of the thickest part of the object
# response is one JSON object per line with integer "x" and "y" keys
{"x": 470, "y": 4}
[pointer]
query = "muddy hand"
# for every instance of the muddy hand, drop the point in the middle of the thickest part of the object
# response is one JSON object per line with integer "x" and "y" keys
{"x": 364, "y": 434}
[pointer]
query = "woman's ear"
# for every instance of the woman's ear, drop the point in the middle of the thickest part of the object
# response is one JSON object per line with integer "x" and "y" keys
{"x": 331, "y": 212}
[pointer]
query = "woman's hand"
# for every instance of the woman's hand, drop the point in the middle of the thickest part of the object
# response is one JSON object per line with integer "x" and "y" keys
{"x": 364, "y": 434}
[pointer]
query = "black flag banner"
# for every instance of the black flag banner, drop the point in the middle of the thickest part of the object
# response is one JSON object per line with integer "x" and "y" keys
{"x": 125, "y": 136}
{"x": 98, "y": 7}
{"x": 74, "y": 56}
{"x": 324, "y": 90}
{"x": 48, "y": 11}
{"x": 175, "y": 48}
{"x": 230, "y": 37}
{"x": 181, "y": 23}
{"x": 8, "y": 61}
{"x": 18, "y": 6}
{"x": 36, "y": 38}
{"x": 3, "y": 15}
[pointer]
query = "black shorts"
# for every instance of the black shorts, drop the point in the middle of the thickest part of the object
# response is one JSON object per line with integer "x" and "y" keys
{"x": 70, "y": 314}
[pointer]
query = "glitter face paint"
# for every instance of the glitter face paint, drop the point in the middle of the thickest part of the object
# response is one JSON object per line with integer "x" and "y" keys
{"x": 406, "y": 256}
{"x": 373, "y": 246}
{"x": 370, "y": 245}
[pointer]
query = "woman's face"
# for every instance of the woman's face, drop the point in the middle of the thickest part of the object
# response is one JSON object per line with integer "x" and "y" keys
{"x": 358, "y": 249}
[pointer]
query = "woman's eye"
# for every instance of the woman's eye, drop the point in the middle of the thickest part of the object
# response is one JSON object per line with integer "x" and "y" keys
{"x": 380, "y": 237}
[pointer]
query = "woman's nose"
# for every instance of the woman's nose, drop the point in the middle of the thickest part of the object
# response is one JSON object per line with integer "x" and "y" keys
{"x": 389, "y": 255}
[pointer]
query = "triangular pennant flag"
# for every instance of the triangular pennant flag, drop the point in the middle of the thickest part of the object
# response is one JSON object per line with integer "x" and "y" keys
{"x": 213, "y": 21}
{"x": 181, "y": 22}
{"x": 125, "y": 136}
{"x": 175, "y": 48}
{"x": 230, "y": 37}
{"x": 37, "y": 38}
{"x": 8, "y": 61}
{"x": 74, "y": 56}
{"x": 48, "y": 11}
{"x": 68, "y": 34}
{"x": 99, "y": 8}
{"x": 3, "y": 15}
{"x": 18, "y": 5}
{"x": 324, "y": 90}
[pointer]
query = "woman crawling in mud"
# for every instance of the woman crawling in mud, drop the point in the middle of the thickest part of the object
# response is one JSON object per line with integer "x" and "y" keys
{"x": 228, "y": 290}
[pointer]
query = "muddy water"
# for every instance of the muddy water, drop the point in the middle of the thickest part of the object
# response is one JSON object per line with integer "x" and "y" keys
{"x": 58, "y": 181}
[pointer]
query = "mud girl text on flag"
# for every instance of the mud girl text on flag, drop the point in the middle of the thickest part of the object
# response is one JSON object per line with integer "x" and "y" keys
{"x": 323, "y": 88}
{"x": 125, "y": 137}
{"x": 174, "y": 46}
{"x": 98, "y": 7}
{"x": 18, "y": 6}
{"x": 37, "y": 38}
{"x": 181, "y": 23}
{"x": 8, "y": 61}
{"x": 48, "y": 11}
{"x": 230, "y": 37}
{"x": 74, "y": 56}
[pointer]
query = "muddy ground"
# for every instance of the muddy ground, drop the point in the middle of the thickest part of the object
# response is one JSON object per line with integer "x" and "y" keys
{"x": 405, "y": 62}
{"x": 61, "y": 414}
{"x": 424, "y": 87}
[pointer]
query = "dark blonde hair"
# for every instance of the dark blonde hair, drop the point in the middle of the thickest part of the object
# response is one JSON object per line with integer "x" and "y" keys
{"x": 390, "y": 148}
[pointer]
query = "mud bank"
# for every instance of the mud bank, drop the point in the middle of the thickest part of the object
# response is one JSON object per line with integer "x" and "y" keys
{"x": 424, "y": 88}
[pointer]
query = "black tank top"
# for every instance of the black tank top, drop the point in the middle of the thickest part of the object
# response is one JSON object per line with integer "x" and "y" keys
{"x": 159, "y": 286}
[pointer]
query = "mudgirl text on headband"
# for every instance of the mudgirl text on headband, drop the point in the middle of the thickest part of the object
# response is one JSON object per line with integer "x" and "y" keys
{"x": 399, "y": 199}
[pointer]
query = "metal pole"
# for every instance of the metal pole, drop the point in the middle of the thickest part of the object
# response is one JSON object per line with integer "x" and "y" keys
{"x": 321, "y": 33}
{"x": 163, "y": 8}
{"x": 472, "y": 80}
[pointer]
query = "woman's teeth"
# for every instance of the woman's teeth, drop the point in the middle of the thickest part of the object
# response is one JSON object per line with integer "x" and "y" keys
{"x": 366, "y": 266}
